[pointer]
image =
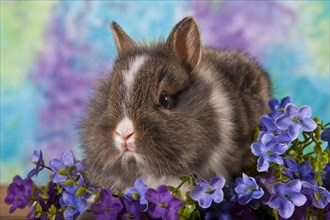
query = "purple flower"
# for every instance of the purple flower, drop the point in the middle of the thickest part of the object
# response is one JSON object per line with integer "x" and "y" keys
{"x": 138, "y": 193}
{"x": 326, "y": 176}
{"x": 294, "y": 119}
{"x": 319, "y": 195}
{"x": 303, "y": 172}
{"x": 268, "y": 149}
{"x": 131, "y": 210}
{"x": 277, "y": 107}
{"x": 163, "y": 204}
{"x": 19, "y": 193}
{"x": 204, "y": 193}
{"x": 285, "y": 196}
{"x": 247, "y": 189}
{"x": 106, "y": 207}
{"x": 325, "y": 136}
{"x": 66, "y": 161}
{"x": 268, "y": 125}
{"x": 38, "y": 160}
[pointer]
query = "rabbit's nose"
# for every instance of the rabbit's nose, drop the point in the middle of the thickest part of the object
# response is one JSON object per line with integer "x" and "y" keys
{"x": 125, "y": 128}
{"x": 125, "y": 135}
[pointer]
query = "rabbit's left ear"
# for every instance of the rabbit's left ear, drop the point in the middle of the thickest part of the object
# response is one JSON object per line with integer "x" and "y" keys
{"x": 122, "y": 40}
{"x": 185, "y": 41}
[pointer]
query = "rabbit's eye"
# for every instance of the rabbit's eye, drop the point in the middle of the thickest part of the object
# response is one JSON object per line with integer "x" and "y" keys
{"x": 164, "y": 100}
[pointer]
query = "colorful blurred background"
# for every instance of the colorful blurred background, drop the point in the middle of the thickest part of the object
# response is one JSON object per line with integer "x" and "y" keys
{"x": 53, "y": 53}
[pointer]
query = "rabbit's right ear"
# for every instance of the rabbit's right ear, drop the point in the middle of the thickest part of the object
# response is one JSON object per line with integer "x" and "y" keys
{"x": 122, "y": 40}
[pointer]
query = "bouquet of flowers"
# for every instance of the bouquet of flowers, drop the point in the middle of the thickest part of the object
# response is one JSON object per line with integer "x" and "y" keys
{"x": 291, "y": 180}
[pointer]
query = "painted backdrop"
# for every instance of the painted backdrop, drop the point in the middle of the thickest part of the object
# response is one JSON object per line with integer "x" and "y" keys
{"x": 53, "y": 52}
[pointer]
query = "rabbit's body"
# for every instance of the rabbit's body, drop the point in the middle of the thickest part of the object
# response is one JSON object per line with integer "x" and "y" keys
{"x": 173, "y": 109}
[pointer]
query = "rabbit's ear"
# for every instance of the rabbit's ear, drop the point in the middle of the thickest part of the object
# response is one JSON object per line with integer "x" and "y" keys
{"x": 185, "y": 41}
{"x": 122, "y": 40}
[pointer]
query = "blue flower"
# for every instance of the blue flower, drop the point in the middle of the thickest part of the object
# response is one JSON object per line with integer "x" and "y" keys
{"x": 66, "y": 161}
{"x": 325, "y": 136}
{"x": 206, "y": 192}
{"x": 106, "y": 207}
{"x": 277, "y": 107}
{"x": 268, "y": 149}
{"x": 268, "y": 125}
{"x": 303, "y": 172}
{"x": 247, "y": 189}
{"x": 38, "y": 160}
{"x": 285, "y": 196}
{"x": 162, "y": 203}
{"x": 74, "y": 205}
{"x": 294, "y": 119}
{"x": 138, "y": 193}
{"x": 319, "y": 195}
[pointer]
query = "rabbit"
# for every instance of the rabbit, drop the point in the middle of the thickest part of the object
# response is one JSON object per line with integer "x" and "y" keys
{"x": 172, "y": 108}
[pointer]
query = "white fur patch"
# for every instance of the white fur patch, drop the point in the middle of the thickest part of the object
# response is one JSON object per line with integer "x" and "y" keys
{"x": 130, "y": 74}
{"x": 224, "y": 111}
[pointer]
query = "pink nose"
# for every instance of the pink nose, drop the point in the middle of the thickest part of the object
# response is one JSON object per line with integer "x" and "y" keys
{"x": 125, "y": 135}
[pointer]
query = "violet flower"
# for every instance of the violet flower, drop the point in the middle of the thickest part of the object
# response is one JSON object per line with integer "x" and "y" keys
{"x": 277, "y": 107}
{"x": 38, "y": 160}
{"x": 326, "y": 176}
{"x": 325, "y": 136}
{"x": 268, "y": 150}
{"x": 205, "y": 193}
{"x": 285, "y": 196}
{"x": 138, "y": 193}
{"x": 303, "y": 172}
{"x": 19, "y": 193}
{"x": 162, "y": 203}
{"x": 247, "y": 189}
{"x": 66, "y": 161}
{"x": 268, "y": 125}
{"x": 294, "y": 119}
{"x": 131, "y": 210}
{"x": 106, "y": 207}
{"x": 319, "y": 195}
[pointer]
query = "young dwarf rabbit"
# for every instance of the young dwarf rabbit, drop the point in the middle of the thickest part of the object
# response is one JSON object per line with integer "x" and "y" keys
{"x": 172, "y": 109}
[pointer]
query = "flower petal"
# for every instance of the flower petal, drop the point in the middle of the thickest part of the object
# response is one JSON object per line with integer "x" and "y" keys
{"x": 305, "y": 112}
{"x": 218, "y": 181}
{"x": 298, "y": 199}
{"x": 205, "y": 202}
{"x": 286, "y": 209}
{"x": 262, "y": 164}
{"x": 308, "y": 125}
{"x": 294, "y": 185}
{"x": 257, "y": 148}
{"x": 68, "y": 158}
{"x": 56, "y": 164}
{"x": 278, "y": 188}
{"x": 156, "y": 211}
{"x": 293, "y": 130}
{"x": 268, "y": 140}
{"x": 291, "y": 164}
{"x": 245, "y": 198}
{"x": 151, "y": 195}
{"x": 291, "y": 110}
{"x": 197, "y": 193}
{"x": 283, "y": 122}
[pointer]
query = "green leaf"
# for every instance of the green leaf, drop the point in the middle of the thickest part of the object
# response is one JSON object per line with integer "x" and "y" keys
{"x": 53, "y": 209}
{"x": 38, "y": 208}
{"x": 38, "y": 215}
{"x": 63, "y": 172}
{"x": 68, "y": 182}
{"x": 72, "y": 168}
{"x": 96, "y": 198}
{"x": 80, "y": 191}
